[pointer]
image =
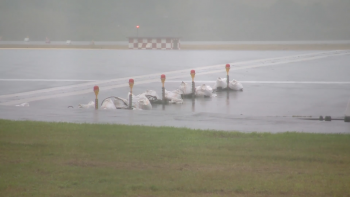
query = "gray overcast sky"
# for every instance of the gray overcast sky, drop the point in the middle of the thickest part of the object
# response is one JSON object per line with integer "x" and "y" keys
{"x": 197, "y": 20}
{"x": 267, "y": 3}
{"x": 270, "y": 2}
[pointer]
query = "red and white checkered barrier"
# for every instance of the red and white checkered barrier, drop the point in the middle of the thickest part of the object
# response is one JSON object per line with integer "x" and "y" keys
{"x": 154, "y": 43}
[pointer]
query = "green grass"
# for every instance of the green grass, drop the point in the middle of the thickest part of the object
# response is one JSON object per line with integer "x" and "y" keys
{"x": 63, "y": 159}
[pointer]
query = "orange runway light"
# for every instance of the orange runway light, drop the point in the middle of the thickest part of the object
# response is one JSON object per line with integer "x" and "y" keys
{"x": 96, "y": 90}
{"x": 228, "y": 68}
{"x": 193, "y": 73}
{"x": 131, "y": 84}
{"x": 162, "y": 78}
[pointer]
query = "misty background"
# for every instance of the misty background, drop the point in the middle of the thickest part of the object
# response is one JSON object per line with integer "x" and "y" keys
{"x": 192, "y": 20}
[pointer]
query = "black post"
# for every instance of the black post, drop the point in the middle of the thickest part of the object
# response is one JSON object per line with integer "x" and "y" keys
{"x": 328, "y": 118}
{"x": 228, "y": 81}
{"x": 193, "y": 89}
{"x": 96, "y": 103}
{"x": 163, "y": 95}
{"x": 130, "y": 100}
{"x": 347, "y": 119}
{"x": 193, "y": 94}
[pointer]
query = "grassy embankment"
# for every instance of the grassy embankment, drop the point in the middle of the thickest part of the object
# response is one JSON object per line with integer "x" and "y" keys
{"x": 61, "y": 159}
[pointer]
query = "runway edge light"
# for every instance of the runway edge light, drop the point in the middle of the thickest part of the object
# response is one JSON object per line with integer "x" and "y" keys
{"x": 162, "y": 78}
{"x": 228, "y": 66}
{"x": 131, "y": 84}
{"x": 193, "y": 73}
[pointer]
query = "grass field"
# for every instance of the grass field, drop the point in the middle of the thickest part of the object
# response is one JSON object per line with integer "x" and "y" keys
{"x": 64, "y": 159}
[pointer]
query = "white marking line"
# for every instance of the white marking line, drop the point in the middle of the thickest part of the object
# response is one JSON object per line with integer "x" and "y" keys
{"x": 299, "y": 82}
{"x": 273, "y": 82}
{"x": 263, "y": 63}
{"x": 26, "y": 100}
{"x": 48, "y": 80}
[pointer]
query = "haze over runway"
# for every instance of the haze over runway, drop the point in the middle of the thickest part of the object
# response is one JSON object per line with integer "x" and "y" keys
{"x": 292, "y": 57}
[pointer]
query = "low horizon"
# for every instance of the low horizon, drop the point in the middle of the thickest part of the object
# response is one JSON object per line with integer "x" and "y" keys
{"x": 209, "y": 20}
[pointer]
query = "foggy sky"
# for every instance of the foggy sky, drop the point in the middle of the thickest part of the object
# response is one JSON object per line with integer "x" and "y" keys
{"x": 193, "y": 20}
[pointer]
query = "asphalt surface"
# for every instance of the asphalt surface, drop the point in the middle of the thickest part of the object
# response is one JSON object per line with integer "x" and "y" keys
{"x": 281, "y": 88}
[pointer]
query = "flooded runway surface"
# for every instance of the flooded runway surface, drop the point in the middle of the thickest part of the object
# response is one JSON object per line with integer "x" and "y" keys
{"x": 281, "y": 88}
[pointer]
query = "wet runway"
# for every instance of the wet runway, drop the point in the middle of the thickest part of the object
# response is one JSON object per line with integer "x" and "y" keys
{"x": 280, "y": 87}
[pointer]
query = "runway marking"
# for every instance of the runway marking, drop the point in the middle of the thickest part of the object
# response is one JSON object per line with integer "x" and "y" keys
{"x": 199, "y": 70}
{"x": 298, "y": 82}
{"x": 48, "y": 80}
{"x": 274, "y": 82}
{"x": 265, "y": 62}
{"x": 53, "y": 48}
{"x": 85, "y": 88}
